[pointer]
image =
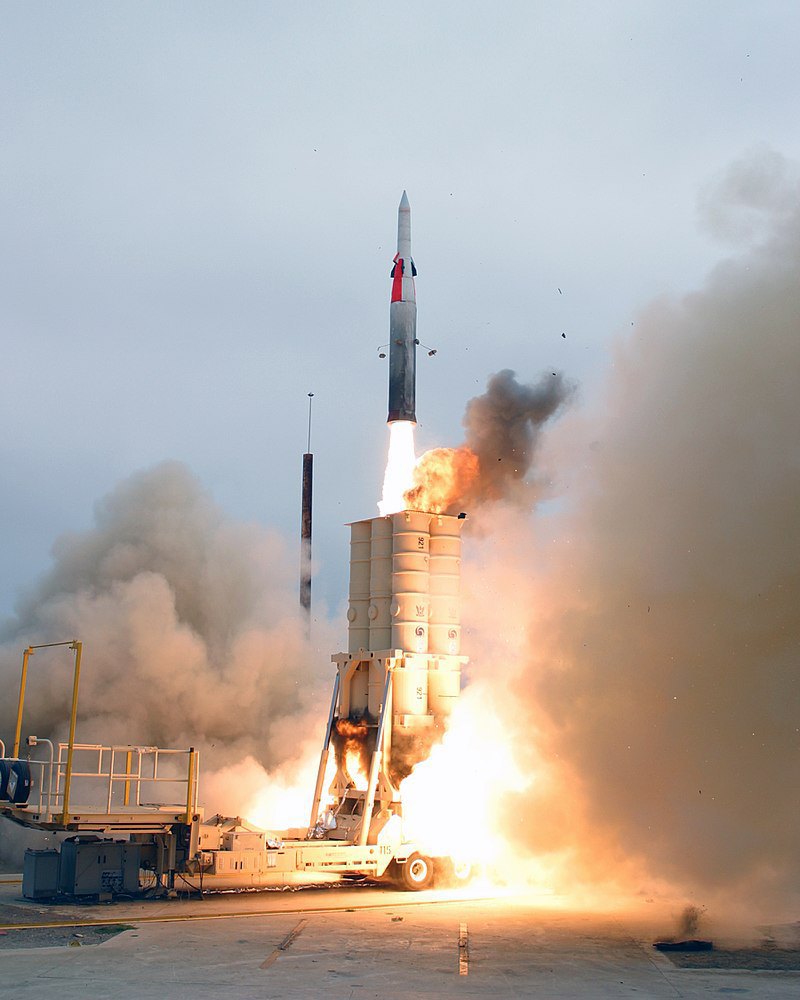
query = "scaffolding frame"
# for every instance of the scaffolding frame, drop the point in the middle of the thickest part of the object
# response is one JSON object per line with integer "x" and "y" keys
{"x": 104, "y": 777}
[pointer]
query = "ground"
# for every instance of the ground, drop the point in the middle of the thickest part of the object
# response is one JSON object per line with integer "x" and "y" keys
{"x": 363, "y": 942}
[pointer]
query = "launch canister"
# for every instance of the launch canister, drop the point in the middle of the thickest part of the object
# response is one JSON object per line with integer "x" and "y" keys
{"x": 403, "y": 324}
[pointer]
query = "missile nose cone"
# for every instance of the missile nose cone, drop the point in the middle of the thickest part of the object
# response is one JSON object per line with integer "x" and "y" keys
{"x": 404, "y": 229}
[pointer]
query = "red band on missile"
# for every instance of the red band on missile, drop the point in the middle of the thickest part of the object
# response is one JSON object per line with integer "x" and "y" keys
{"x": 397, "y": 283}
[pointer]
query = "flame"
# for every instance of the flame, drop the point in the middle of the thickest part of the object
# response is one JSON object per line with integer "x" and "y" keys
{"x": 451, "y": 800}
{"x": 356, "y": 771}
{"x": 399, "y": 476}
{"x": 281, "y": 800}
{"x": 351, "y": 744}
{"x": 442, "y": 477}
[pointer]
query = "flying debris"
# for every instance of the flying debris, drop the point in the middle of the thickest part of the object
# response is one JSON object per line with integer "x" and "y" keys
{"x": 403, "y": 324}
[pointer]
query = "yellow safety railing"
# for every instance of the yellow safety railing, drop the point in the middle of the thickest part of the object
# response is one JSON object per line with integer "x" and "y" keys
{"x": 98, "y": 773}
{"x": 77, "y": 648}
{"x": 141, "y": 763}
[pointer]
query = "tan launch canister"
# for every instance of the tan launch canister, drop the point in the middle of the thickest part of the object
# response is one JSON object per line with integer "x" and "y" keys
{"x": 444, "y": 632}
{"x": 377, "y": 679}
{"x": 444, "y": 686}
{"x": 410, "y": 691}
{"x": 380, "y": 584}
{"x": 359, "y": 691}
{"x": 410, "y": 580}
{"x": 358, "y": 611}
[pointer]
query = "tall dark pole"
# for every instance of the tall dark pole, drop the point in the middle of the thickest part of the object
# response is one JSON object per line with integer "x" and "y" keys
{"x": 305, "y": 521}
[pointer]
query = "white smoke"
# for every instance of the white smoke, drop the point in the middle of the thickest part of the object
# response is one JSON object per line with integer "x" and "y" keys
{"x": 192, "y": 635}
{"x": 660, "y": 677}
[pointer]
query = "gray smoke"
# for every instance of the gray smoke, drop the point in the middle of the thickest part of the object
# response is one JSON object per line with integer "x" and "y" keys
{"x": 502, "y": 429}
{"x": 502, "y": 436}
{"x": 665, "y": 669}
{"x": 191, "y": 629}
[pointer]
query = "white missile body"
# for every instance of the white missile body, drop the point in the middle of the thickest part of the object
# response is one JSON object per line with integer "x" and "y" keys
{"x": 403, "y": 324}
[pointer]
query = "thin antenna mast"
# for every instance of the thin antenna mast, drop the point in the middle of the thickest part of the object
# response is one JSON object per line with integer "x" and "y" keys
{"x": 305, "y": 521}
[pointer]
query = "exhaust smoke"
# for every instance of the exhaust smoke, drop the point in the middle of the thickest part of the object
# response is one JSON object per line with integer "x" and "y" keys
{"x": 638, "y": 644}
{"x": 661, "y": 671}
{"x": 192, "y": 633}
{"x": 502, "y": 435}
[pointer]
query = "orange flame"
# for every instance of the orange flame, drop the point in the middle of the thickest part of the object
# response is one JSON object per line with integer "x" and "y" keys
{"x": 352, "y": 750}
{"x": 451, "y": 800}
{"x": 442, "y": 477}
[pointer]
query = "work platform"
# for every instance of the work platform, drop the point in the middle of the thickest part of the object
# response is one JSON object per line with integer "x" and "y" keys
{"x": 91, "y": 787}
{"x": 118, "y": 789}
{"x": 150, "y": 820}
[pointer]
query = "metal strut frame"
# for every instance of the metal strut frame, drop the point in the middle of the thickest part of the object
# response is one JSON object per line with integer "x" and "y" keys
{"x": 323, "y": 759}
{"x": 377, "y": 755}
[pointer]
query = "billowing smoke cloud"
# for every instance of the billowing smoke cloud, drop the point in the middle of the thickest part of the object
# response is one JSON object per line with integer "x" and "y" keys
{"x": 663, "y": 673}
{"x": 191, "y": 629}
{"x": 502, "y": 433}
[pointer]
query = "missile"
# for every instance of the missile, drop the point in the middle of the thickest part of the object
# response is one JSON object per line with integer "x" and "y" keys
{"x": 403, "y": 324}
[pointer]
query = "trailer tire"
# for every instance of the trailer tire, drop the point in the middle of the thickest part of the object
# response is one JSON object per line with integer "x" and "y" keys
{"x": 417, "y": 873}
{"x": 453, "y": 874}
{"x": 463, "y": 871}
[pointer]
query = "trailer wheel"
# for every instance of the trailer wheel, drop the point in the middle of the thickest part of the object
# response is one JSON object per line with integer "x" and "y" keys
{"x": 417, "y": 873}
{"x": 453, "y": 874}
{"x": 463, "y": 871}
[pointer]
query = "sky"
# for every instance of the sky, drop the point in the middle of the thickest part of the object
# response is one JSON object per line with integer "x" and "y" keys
{"x": 199, "y": 213}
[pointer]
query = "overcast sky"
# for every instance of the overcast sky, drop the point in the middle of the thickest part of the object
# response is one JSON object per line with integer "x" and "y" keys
{"x": 199, "y": 213}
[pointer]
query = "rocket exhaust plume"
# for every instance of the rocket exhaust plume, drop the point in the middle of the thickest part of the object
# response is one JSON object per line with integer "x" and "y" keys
{"x": 400, "y": 463}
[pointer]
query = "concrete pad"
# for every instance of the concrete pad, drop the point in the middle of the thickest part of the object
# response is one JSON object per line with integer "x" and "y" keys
{"x": 397, "y": 947}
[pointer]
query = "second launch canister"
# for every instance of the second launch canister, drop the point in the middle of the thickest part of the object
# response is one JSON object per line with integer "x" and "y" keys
{"x": 403, "y": 324}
